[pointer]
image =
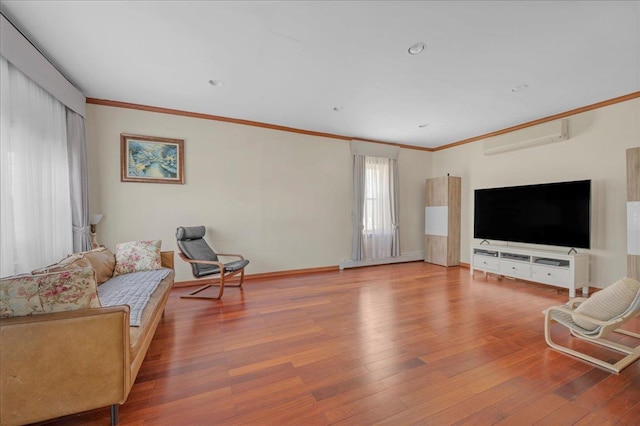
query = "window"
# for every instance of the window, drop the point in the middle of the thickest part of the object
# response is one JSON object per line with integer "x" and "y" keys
{"x": 375, "y": 208}
{"x": 35, "y": 207}
{"x": 377, "y": 225}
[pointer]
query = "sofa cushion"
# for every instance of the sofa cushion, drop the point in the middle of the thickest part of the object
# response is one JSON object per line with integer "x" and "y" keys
{"x": 68, "y": 290}
{"x": 133, "y": 289}
{"x": 19, "y": 296}
{"x": 141, "y": 336}
{"x": 71, "y": 290}
{"x": 135, "y": 256}
{"x": 73, "y": 261}
{"x": 103, "y": 262}
{"x": 608, "y": 303}
{"x": 100, "y": 259}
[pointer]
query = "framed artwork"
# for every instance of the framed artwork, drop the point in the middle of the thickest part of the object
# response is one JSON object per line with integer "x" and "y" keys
{"x": 151, "y": 159}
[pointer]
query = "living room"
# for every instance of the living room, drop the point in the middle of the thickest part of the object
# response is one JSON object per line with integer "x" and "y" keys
{"x": 282, "y": 195}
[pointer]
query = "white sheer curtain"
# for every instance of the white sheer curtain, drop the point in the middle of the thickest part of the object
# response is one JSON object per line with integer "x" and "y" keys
{"x": 378, "y": 229}
{"x": 394, "y": 201}
{"x": 35, "y": 209}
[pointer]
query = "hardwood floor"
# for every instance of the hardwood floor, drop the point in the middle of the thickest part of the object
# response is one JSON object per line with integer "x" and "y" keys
{"x": 397, "y": 344}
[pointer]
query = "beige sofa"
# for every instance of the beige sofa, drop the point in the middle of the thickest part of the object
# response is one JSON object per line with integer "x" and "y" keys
{"x": 61, "y": 363}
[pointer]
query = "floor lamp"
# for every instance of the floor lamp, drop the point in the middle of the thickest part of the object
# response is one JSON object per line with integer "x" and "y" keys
{"x": 93, "y": 221}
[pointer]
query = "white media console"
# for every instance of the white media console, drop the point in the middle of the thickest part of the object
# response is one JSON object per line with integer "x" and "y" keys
{"x": 558, "y": 269}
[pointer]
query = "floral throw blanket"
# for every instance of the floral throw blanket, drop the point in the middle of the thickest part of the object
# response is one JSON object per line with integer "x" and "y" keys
{"x": 132, "y": 289}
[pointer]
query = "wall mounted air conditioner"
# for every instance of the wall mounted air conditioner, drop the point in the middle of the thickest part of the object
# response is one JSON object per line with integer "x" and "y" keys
{"x": 552, "y": 131}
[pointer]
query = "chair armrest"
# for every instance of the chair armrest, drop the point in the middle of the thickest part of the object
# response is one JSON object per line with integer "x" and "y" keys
{"x": 231, "y": 255}
{"x": 572, "y": 304}
{"x": 202, "y": 262}
{"x": 62, "y": 363}
{"x": 581, "y": 315}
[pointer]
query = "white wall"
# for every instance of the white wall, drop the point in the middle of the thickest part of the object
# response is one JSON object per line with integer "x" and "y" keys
{"x": 281, "y": 199}
{"x": 595, "y": 150}
{"x": 284, "y": 199}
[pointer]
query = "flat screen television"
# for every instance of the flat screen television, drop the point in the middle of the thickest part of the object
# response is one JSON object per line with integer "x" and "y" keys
{"x": 556, "y": 214}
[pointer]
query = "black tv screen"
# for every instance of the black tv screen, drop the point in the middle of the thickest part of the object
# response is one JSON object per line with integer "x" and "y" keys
{"x": 557, "y": 214}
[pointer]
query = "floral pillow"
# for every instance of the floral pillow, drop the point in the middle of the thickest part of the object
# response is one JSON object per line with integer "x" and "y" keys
{"x": 71, "y": 290}
{"x": 135, "y": 256}
{"x": 19, "y": 296}
{"x": 73, "y": 261}
{"x": 100, "y": 259}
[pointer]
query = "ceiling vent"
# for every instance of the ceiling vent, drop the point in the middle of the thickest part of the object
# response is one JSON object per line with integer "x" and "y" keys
{"x": 550, "y": 132}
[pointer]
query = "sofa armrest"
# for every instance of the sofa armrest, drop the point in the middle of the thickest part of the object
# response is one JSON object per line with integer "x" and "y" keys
{"x": 166, "y": 258}
{"x": 61, "y": 363}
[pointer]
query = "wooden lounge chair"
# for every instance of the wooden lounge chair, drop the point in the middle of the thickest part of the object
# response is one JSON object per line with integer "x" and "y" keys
{"x": 205, "y": 262}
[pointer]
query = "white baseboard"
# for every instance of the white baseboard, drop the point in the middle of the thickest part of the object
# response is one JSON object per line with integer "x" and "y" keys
{"x": 405, "y": 257}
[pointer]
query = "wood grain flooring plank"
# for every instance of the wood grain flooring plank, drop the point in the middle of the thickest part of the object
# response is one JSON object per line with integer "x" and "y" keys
{"x": 366, "y": 412}
{"x": 487, "y": 416}
{"x": 534, "y": 411}
{"x": 579, "y": 385}
{"x": 568, "y": 414}
{"x": 476, "y": 403}
{"x": 622, "y": 402}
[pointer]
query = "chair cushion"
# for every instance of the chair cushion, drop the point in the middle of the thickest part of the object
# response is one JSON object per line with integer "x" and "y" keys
{"x": 609, "y": 303}
{"x": 198, "y": 249}
{"x": 192, "y": 244}
{"x": 190, "y": 232}
{"x": 135, "y": 256}
{"x": 235, "y": 265}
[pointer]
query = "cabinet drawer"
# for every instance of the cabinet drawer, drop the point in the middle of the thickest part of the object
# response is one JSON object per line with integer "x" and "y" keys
{"x": 515, "y": 269}
{"x": 486, "y": 263}
{"x": 555, "y": 276}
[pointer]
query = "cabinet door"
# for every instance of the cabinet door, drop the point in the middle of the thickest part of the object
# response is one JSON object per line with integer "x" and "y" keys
{"x": 435, "y": 249}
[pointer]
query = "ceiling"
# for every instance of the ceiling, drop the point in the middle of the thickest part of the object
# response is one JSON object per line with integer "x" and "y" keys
{"x": 293, "y": 63}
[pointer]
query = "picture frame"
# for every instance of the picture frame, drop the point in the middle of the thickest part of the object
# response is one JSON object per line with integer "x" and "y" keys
{"x": 151, "y": 159}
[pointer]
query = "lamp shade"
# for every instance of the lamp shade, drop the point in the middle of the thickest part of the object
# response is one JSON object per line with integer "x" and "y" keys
{"x": 94, "y": 219}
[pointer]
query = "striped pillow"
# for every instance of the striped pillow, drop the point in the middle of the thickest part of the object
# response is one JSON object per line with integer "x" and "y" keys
{"x": 608, "y": 303}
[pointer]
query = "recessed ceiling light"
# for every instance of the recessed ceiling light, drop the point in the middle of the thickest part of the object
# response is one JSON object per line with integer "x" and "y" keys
{"x": 216, "y": 83}
{"x": 337, "y": 108}
{"x": 423, "y": 125}
{"x": 417, "y": 48}
{"x": 519, "y": 88}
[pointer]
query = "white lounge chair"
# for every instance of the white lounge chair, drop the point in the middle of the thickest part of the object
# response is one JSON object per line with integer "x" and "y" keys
{"x": 592, "y": 319}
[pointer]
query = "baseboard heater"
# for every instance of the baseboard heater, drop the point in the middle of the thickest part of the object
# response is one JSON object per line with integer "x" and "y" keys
{"x": 405, "y": 257}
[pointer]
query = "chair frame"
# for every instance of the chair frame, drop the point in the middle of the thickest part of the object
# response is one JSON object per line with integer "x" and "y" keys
{"x": 605, "y": 327}
{"x": 215, "y": 281}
